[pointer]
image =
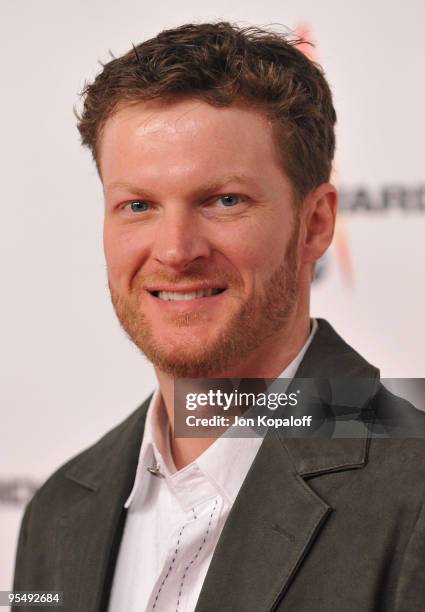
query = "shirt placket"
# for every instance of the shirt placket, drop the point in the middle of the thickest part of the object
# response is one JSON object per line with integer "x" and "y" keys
{"x": 190, "y": 543}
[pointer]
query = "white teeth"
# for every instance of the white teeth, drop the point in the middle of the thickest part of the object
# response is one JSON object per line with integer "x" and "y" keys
{"x": 178, "y": 295}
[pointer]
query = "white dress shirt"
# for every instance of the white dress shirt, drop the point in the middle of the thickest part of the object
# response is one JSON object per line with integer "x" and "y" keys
{"x": 174, "y": 522}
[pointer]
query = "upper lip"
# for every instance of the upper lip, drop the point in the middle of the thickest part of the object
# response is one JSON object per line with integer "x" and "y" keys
{"x": 201, "y": 286}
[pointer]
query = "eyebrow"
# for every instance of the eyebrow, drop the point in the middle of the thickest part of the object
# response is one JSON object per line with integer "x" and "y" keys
{"x": 125, "y": 186}
{"x": 207, "y": 187}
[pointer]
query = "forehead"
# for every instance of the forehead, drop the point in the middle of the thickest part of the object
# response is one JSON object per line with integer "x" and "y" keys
{"x": 191, "y": 134}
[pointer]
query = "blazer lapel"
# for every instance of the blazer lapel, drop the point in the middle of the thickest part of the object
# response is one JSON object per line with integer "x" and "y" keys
{"x": 273, "y": 522}
{"x": 277, "y": 517}
{"x": 89, "y": 532}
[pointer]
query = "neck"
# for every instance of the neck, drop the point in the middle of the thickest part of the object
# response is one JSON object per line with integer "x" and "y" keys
{"x": 268, "y": 361}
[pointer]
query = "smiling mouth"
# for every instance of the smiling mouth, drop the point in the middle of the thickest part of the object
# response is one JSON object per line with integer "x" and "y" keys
{"x": 173, "y": 296}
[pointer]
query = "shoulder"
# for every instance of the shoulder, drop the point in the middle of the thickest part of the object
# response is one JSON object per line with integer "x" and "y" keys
{"x": 396, "y": 417}
{"x": 111, "y": 460}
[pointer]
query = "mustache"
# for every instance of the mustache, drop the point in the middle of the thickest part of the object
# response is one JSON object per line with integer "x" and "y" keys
{"x": 176, "y": 279}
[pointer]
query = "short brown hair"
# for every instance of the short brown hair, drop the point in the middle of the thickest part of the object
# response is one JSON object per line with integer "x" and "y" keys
{"x": 222, "y": 63}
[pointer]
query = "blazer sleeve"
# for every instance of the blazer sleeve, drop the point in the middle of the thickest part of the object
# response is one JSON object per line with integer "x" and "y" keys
{"x": 410, "y": 593}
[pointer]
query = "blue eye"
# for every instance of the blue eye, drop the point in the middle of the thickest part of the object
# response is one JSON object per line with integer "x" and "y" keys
{"x": 138, "y": 206}
{"x": 229, "y": 200}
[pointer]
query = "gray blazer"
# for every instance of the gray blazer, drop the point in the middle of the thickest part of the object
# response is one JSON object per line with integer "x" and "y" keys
{"x": 319, "y": 525}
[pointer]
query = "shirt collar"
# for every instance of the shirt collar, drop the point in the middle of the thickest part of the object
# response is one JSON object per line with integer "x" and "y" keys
{"x": 223, "y": 465}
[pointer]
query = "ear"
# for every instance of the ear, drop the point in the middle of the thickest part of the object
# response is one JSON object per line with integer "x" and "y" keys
{"x": 318, "y": 222}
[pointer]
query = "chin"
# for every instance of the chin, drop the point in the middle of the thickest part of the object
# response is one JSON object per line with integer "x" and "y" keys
{"x": 180, "y": 365}
{"x": 185, "y": 356}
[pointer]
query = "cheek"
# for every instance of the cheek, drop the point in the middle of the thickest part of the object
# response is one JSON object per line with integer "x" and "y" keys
{"x": 255, "y": 249}
{"x": 124, "y": 252}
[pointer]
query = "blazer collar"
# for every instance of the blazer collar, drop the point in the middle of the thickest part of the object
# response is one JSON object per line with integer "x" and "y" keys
{"x": 330, "y": 358}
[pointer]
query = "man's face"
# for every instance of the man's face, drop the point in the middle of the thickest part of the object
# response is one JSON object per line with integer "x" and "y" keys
{"x": 200, "y": 234}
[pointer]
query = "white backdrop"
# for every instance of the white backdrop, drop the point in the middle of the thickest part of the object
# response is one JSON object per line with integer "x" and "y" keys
{"x": 63, "y": 355}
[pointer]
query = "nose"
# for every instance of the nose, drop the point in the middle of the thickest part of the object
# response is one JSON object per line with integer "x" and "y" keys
{"x": 179, "y": 239}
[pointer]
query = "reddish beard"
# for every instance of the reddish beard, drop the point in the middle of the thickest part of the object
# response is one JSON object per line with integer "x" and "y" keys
{"x": 255, "y": 321}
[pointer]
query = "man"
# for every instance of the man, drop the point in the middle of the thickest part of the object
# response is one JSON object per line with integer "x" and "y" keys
{"x": 214, "y": 145}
